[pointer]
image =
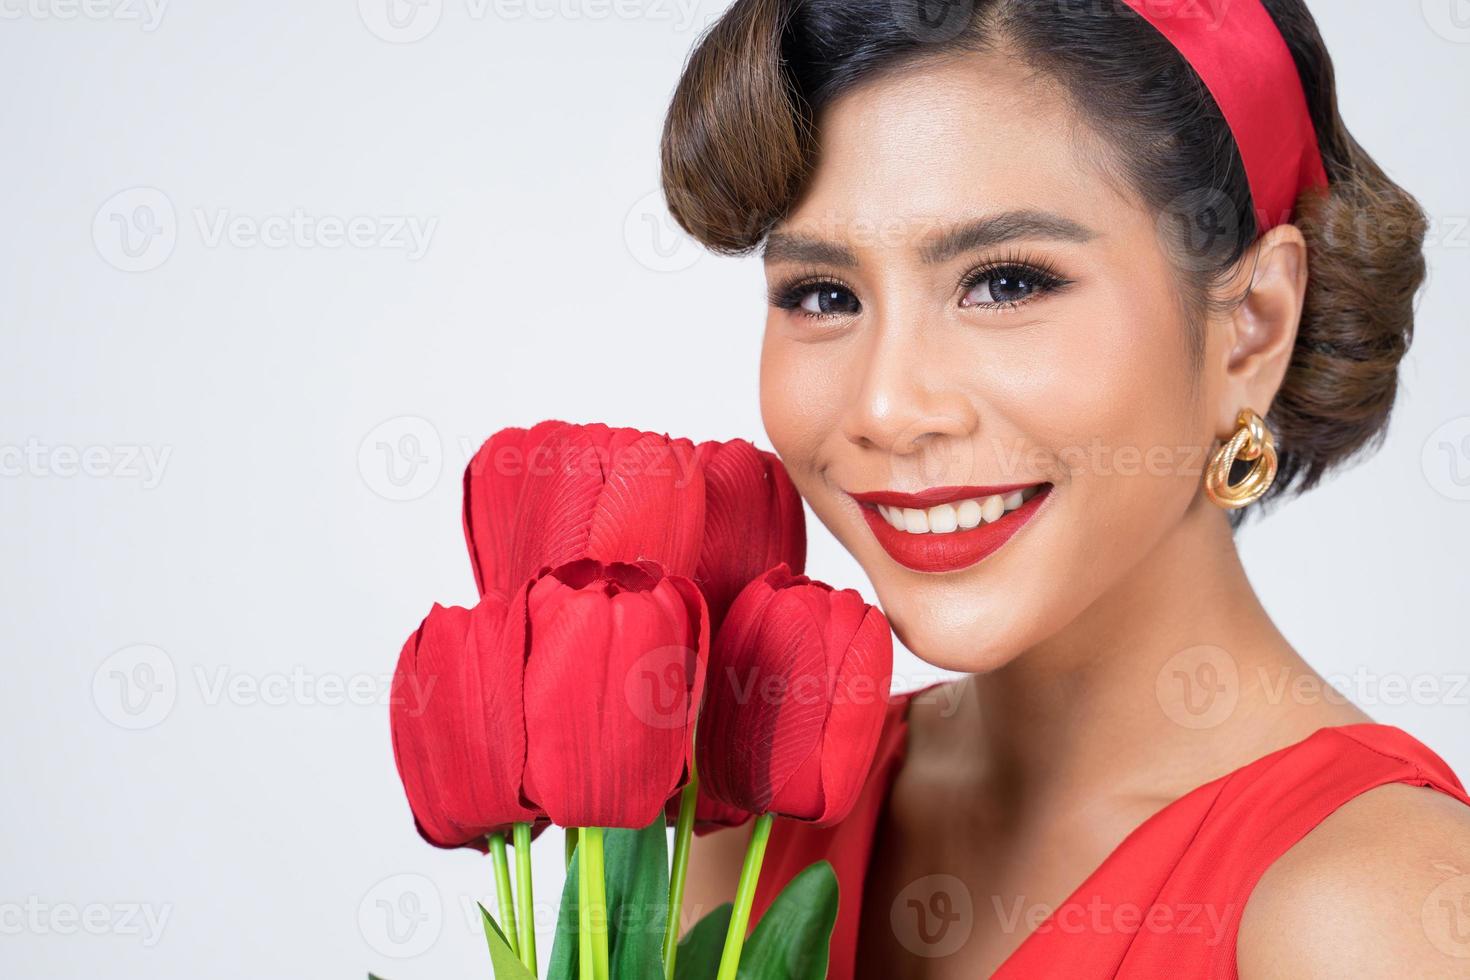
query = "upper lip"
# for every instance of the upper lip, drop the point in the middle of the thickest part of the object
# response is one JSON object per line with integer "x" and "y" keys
{"x": 935, "y": 496}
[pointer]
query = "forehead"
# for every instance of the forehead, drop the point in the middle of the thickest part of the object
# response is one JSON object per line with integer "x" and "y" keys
{"x": 939, "y": 140}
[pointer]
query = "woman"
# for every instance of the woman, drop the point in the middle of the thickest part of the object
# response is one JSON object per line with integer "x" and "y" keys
{"x": 1058, "y": 292}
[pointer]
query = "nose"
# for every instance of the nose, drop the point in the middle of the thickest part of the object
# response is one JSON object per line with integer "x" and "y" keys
{"x": 906, "y": 401}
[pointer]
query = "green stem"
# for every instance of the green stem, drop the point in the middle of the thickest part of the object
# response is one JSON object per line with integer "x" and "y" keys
{"x": 750, "y": 872}
{"x": 571, "y": 845}
{"x": 526, "y": 920}
{"x": 590, "y": 840}
{"x": 683, "y": 834}
{"x": 584, "y": 913}
{"x": 503, "y": 896}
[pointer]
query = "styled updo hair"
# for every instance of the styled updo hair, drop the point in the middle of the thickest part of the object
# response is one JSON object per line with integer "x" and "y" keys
{"x": 740, "y": 141}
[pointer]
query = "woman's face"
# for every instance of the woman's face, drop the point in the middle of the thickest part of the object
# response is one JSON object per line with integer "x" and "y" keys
{"x": 970, "y": 322}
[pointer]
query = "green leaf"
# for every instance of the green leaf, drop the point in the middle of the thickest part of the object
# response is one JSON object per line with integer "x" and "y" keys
{"x": 564, "y": 964}
{"x": 700, "y": 949}
{"x": 792, "y": 939}
{"x": 507, "y": 965}
{"x": 637, "y": 866}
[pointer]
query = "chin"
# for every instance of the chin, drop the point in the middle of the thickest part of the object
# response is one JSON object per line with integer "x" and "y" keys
{"x": 952, "y": 629}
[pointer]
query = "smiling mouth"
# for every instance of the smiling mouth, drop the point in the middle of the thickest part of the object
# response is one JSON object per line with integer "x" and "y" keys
{"x": 949, "y": 528}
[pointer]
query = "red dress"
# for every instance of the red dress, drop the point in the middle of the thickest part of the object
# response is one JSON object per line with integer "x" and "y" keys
{"x": 1167, "y": 901}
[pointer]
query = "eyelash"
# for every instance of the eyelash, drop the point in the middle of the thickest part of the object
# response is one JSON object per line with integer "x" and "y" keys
{"x": 1039, "y": 272}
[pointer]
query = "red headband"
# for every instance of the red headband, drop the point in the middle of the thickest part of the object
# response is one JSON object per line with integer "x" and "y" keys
{"x": 1238, "y": 52}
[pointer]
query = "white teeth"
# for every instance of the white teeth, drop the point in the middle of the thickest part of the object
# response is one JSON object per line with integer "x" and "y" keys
{"x": 992, "y": 507}
{"x": 961, "y": 516}
{"x": 943, "y": 519}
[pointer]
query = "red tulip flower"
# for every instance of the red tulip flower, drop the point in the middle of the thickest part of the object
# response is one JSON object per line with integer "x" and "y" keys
{"x": 753, "y": 522}
{"x": 459, "y": 734}
{"x": 797, "y": 691}
{"x": 559, "y": 492}
{"x": 615, "y": 663}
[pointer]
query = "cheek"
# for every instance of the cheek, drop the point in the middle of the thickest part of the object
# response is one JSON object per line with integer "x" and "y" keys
{"x": 1147, "y": 412}
{"x": 1103, "y": 396}
{"x": 1116, "y": 400}
{"x": 1113, "y": 395}
{"x": 798, "y": 401}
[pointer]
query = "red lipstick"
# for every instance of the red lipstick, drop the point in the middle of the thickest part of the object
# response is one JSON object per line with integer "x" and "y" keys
{"x": 947, "y": 552}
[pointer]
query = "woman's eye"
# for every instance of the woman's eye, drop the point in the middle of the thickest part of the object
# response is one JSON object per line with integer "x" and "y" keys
{"x": 828, "y": 301}
{"x": 1005, "y": 286}
{"x": 995, "y": 286}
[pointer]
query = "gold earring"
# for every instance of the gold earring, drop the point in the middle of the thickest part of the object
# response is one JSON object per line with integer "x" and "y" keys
{"x": 1254, "y": 443}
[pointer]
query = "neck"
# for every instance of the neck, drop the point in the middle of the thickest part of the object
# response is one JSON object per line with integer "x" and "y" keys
{"x": 1171, "y": 678}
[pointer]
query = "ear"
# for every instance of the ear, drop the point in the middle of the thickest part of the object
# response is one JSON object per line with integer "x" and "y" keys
{"x": 1262, "y": 328}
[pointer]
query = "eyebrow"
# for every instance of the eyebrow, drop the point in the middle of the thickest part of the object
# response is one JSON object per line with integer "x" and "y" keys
{"x": 987, "y": 232}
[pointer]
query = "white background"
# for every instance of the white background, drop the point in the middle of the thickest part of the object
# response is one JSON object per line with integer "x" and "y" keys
{"x": 205, "y": 575}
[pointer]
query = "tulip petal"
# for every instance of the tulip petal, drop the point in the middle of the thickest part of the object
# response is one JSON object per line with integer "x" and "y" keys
{"x": 792, "y": 649}
{"x": 753, "y": 521}
{"x": 652, "y": 503}
{"x": 759, "y": 733}
{"x": 559, "y": 492}
{"x": 492, "y": 483}
{"x": 558, "y": 496}
{"x": 797, "y": 693}
{"x": 565, "y": 664}
{"x": 418, "y": 768}
{"x": 610, "y": 683}
{"x": 459, "y": 746}
{"x": 854, "y": 724}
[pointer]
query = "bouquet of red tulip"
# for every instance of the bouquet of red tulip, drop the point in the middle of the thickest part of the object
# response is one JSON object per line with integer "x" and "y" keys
{"x": 645, "y": 649}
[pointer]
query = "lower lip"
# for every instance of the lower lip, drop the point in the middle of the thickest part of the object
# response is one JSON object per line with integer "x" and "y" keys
{"x": 957, "y": 549}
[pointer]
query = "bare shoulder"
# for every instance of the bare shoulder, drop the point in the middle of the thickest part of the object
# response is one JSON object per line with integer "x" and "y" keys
{"x": 1380, "y": 888}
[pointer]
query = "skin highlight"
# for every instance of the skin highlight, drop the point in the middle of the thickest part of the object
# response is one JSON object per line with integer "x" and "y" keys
{"x": 1022, "y": 777}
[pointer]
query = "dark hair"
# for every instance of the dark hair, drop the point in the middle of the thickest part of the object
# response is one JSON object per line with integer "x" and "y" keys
{"x": 740, "y": 141}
